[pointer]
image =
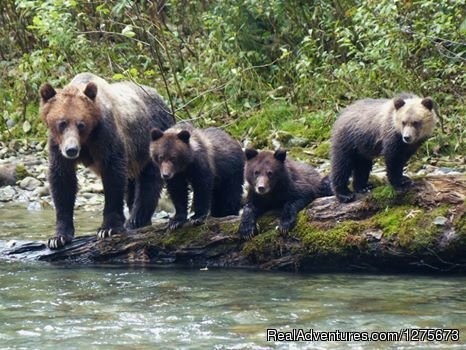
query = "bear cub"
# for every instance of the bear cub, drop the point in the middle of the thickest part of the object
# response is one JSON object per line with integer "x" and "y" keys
{"x": 368, "y": 128}
{"x": 276, "y": 182}
{"x": 207, "y": 159}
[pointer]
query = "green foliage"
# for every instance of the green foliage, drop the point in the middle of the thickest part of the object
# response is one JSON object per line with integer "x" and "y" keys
{"x": 264, "y": 70}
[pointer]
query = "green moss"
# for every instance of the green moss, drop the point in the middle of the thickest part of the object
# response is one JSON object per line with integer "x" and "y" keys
{"x": 413, "y": 227}
{"x": 264, "y": 246}
{"x": 322, "y": 150}
{"x": 283, "y": 122}
{"x": 21, "y": 172}
{"x": 383, "y": 194}
{"x": 185, "y": 235}
{"x": 339, "y": 239}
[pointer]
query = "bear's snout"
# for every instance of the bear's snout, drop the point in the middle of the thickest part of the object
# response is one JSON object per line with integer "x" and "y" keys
{"x": 72, "y": 151}
{"x": 409, "y": 135}
{"x": 166, "y": 171}
{"x": 70, "y": 146}
{"x": 261, "y": 186}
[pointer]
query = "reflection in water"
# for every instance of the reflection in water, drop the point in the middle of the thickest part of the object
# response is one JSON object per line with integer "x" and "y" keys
{"x": 119, "y": 307}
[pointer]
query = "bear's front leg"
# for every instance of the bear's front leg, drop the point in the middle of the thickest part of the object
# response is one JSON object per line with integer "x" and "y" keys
{"x": 395, "y": 160}
{"x": 63, "y": 186}
{"x": 247, "y": 226}
{"x": 177, "y": 188}
{"x": 290, "y": 213}
{"x": 114, "y": 179}
{"x": 203, "y": 185}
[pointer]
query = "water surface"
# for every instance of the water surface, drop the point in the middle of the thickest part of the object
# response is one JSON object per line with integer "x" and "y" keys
{"x": 45, "y": 306}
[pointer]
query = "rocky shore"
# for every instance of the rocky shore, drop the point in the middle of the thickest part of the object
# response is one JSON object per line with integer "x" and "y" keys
{"x": 23, "y": 177}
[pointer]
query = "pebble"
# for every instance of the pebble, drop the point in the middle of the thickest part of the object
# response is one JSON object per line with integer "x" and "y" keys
{"x": 34, "y": 189}
{"x": 29, "y": 183}
{"x": 7, "y": 194}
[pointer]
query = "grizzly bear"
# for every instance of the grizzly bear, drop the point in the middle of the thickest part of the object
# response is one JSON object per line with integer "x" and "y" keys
{"x": 393, "y": 128}
{"x": 105, "y": 127}
{"x": 207, "y": 159}
{"x": 277, "y": 182}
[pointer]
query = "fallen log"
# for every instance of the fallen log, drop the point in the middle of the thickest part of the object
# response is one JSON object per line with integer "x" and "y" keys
{"x": 420, "y": 230}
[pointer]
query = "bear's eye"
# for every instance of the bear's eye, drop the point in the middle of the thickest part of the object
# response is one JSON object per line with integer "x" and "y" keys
{"x": 269, "y": 173}
{"x": 416, "y": 124}
{"x": 61, "y": 125}
{"x": 403, "y": 123}
{"x": 81, "y": 126}
{"x": 256, "y": 173}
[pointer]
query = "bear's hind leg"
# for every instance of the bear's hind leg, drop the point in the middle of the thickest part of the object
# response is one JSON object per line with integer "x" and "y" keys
{"x": 342, "y": 166}
{"x": 114, "y": 179}
{"x": 130, "y": 194}
{"x": 177, "y": 188}
{"x": 226, "y": 197}
{"x": 361, "y": 171}
{"x": 148, "y": 186}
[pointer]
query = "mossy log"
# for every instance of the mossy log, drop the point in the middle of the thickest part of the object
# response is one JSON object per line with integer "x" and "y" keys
{"x": 420, "y": 230}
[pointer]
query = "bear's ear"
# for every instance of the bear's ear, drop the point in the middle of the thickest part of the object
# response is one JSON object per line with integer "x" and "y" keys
{"x": 47, "y": 92}
{"x": 184, "y": 136}
{"x": 155, "y": 134}
{"x": 250, "y": 153}
{"x": 398, "y": 103}
{"x": 91, "y": 91}
{"x": 428, "y": 103}
{"x": 280, "y": 155}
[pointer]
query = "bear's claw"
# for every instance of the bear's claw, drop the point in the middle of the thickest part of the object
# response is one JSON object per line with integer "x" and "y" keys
{"x": 345, "y": 198}
{"x": 57, "y": 242}
{"x": 174, "y": 224}
{"x": 196, "y": 221}
{"x": 247, "y": 232}
{"x": 105, "y": 232}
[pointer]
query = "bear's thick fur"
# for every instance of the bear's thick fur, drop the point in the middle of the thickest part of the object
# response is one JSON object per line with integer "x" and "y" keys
{"x": 105, "y": 127}
{"x": 207, "y": 159}
{"x": 371, "y": 127}
{"x": 277, "y": 182}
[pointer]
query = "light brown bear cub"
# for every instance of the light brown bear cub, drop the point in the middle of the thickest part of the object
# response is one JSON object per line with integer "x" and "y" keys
{"x": 393, "y": 128}
{"x": 207, "y": 159}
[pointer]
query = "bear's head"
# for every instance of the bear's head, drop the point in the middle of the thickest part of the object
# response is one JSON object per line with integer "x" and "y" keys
{"x": 171, "y": 151}
{"x": 264, "y": 170}
{"x": 414, "y": 118}
{"x": 71, "y": 114}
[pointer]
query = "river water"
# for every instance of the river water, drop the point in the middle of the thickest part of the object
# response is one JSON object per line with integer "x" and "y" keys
{"x": 45, "y": 306}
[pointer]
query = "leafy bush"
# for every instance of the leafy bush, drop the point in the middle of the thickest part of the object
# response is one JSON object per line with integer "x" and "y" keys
{"x": 258, "y": 68}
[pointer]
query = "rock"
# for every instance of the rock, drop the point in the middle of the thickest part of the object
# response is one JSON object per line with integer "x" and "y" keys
{"x": 10, "y": 123}
{"x": 29, "y": 183}
{"x": 7, "y": 175}
{"x": 440, "y": 220}
{"x": 7, "y": 194}
{"x": 42, "y": 191}
{"x": 297, "y": 142}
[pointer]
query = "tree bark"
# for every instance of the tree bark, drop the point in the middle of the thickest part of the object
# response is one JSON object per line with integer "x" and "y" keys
{"x": 420, "y": 230}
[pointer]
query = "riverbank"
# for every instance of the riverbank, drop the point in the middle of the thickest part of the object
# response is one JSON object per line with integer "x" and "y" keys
{"x": 28, "y": 162}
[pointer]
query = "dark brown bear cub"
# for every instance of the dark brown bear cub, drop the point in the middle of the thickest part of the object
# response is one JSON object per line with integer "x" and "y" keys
{"x": 276, "y": 182}
{"x": 393, "y": 128}
{"x": 210, "y": 161}
{"x": 107, "y": 128}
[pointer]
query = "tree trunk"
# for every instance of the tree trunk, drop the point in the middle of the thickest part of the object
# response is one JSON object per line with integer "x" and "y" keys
{"x": 420, "y": 230}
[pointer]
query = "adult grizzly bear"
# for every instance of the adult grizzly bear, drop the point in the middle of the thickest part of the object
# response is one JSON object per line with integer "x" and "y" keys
{"x": 207, "y": 159}
{"x": 105, "y": 127}
{"x": 392, "y": 128}
{"x": 277, "y": 182}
